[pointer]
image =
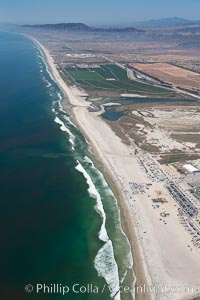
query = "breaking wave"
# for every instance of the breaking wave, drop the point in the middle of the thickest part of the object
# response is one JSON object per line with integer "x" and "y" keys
{"x": 105, "y": 263}
{"x": 64, "y": 128}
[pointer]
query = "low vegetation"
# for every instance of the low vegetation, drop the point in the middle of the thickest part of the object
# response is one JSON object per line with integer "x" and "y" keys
{"x": 111, "y": 77}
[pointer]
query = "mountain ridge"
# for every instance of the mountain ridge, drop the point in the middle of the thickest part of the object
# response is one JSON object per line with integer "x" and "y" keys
{"x": 165, "y": 22}
{"x": 82, "y": 27}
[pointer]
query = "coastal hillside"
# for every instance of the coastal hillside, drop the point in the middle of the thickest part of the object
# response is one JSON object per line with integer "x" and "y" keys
{"x": 82, "y": 27}
{"x": 61, "y": 26}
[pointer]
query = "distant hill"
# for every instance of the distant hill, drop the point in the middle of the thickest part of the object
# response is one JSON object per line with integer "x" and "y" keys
{"x": 61, "y": 26}
{"x": 166, "y": 22}
{"x": 83, "y": 27}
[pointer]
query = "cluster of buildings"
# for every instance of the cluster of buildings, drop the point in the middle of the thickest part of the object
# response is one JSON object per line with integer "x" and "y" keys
{"x": 184, "y": 188}
{"x": 191, "y": 169}
{"x": 184, "y": 202}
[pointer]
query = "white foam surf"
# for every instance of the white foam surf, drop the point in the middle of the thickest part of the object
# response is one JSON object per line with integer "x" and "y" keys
{"x": 42, "y": 57}
{"x": 59, "y": 96}
{"x": 47, "y": 69}
{"x": 48, "y": 84}
{"x": 69, "y": 121}
{"x": 99, "y": 206}
{"x": 64, "y": 128}
{"x": 105, "y": 263}
{"x": 103, "y": 181}
{"x": 106, "y": 267}
{"x": 128, "y": 259}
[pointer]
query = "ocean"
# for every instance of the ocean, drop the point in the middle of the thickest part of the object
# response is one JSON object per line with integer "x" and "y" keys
{"x": 59, "y": 220}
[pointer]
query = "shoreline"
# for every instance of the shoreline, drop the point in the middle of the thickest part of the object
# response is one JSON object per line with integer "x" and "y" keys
{"x": 129, "y": 231}
{"x": 123, "y": 209}
{"x": 70, "y": 105}
{"x": 127, "y": 221}
{"x": 151, "y": 265}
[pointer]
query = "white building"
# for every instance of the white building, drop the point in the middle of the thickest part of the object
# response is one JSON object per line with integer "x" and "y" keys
{"x": 190, "y": 169}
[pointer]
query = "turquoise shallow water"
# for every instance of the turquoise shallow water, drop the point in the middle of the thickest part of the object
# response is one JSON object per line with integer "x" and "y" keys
{"x": 59, "y": 220}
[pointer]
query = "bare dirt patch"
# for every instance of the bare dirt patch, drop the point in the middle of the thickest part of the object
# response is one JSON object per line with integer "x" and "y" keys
{"x": 170, "y": 74}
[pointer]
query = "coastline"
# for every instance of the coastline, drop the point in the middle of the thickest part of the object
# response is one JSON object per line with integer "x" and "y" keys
{"x": 108, "y": 243}
{"x": 127, "y": 224}
{"x": 77, "y": 100}
{"x": 117, "y": 162}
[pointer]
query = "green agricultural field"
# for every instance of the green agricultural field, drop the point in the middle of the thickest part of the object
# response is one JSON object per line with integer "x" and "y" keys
{"x": 112, "y": 78}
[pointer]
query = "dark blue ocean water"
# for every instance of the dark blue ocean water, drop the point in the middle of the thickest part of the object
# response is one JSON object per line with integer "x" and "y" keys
{"x": 49, "y": 224}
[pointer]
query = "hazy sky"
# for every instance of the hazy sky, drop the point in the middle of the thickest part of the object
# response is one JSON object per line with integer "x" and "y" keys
{"x": 95, "y": 11}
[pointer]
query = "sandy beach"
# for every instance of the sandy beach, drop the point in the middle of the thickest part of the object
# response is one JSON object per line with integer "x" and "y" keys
{"x": 164, "y": 258}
